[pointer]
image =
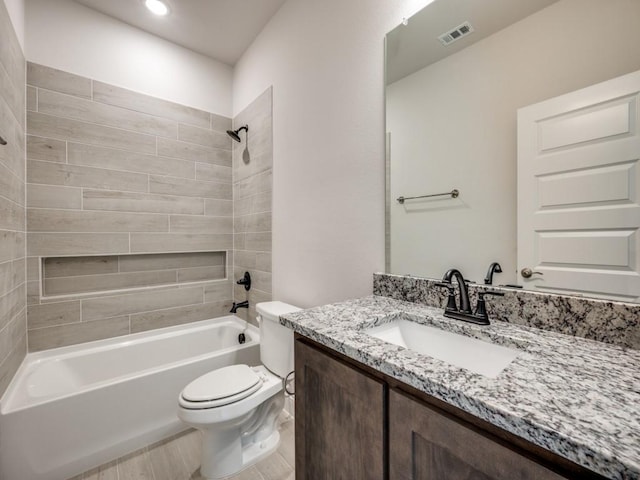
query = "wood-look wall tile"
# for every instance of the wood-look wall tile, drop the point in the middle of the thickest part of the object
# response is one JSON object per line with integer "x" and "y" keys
{"x": 54, "y": 244}
{"x": 260, "y": 183}
{"x": 13, "y": 96}
{"x": 66, "y": 106}
{"x": 198, "y": 274}
{"x": 220, "y": 123}
{"x": 11, "y": 187}
{"x": 218, "y": 208}
{"x": 204, "y": 137}
{"x": 257, "y": 222}
{"x": 11, "y": 56}
{"x": 200, "y": 224}
{"x": 245, "y": 259}
{"x": 141, "y": 202}
{"x": 50, "y": 196}
{"x": 58, "y": 80}
{"x": 249, "y": 162}
{"x": 139, "y": 102}
{"x": 193, "y": 152}
{"x": 177, "y": 316}
{"x": 47, "y": 149}
{"x": 12, "y": 154}
{"x": 18, "y": 271}
{"x": 49, "y": 173}
{"x": 189, "y": 188}
{"x": 129, "y": 161}
{"x": 183, "y": 242}
{"x": 12, "y": 215}
{"x": 239, "y": 241}
{"x": 11, "y": 245}
{"x": 116, "y": 305}
{"x": 218, "y": 291}
{"x": 33, "y": 292}
{"x": 11, "y": 304}
{"x": 260, "y": 242}
{"x": 50, "y": 314}
{"x": 263, "y": 261}
{"x": 261, "y": 202}
{"x": 101, "y": 283}
{"x": 167, "y": 261}
{"x": 32, "y": 99}
{"x": 50, "y": 126}
{"x": 72, "y": 334}
{"x": 259, "y": 280}
{"x": 45, "y": 220}
{"x": 33, "y": 268}
{"x": 12, "y": 334}
{"x": 213, "y": 173}
{"x": 73, "y": 266}
{"x": 12, "y": 362}
{"x": 12, "y": 274}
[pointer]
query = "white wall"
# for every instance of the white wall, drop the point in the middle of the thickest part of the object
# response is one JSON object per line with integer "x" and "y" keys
{"x": 15, "y": 8}
{"x": 68, "y": 36}
{"x": 468, "y": 138}
{"x": 326, "y": 64}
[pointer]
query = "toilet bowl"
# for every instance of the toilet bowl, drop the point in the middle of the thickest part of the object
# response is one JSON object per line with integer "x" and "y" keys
{"x": 237, "y": 407}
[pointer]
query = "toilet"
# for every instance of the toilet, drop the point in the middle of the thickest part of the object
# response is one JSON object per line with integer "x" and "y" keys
{"x": 237, "y": 407}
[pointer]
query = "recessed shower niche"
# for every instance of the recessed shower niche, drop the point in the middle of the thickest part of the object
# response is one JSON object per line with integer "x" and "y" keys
{"x": 95, "y": 274}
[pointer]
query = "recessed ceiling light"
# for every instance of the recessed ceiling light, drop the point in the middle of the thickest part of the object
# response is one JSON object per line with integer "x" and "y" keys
{"x": 157, "y": 7}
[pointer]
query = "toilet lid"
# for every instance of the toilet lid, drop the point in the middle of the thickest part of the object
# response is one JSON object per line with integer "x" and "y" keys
{"x": 224, "y": 382}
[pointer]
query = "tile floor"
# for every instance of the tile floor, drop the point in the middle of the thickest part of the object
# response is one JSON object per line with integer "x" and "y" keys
{"x": 178, "y": 458}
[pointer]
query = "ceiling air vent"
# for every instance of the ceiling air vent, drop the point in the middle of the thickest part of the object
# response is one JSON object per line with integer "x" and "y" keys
{"x": 456, "y": 33}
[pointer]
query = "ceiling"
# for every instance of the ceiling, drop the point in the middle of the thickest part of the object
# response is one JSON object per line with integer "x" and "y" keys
{"x": 413, "y": 46}
{"x": 220, "y": 29}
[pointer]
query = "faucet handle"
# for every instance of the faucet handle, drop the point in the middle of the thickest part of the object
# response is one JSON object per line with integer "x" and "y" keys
{"x": 481, "y": 306}
{"x": 451, "y": 298}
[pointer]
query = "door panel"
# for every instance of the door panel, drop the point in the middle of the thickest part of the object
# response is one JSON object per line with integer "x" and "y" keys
{"x": 578, "y": 203}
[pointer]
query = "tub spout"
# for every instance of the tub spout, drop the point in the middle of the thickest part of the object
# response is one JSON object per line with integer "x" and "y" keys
{"x": 236, "y": 306}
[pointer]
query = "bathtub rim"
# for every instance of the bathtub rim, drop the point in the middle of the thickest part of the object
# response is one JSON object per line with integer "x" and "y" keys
{"x": 69, "y": 351}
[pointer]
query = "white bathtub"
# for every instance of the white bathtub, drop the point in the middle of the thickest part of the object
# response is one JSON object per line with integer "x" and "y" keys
{"x": 72, "y": 408}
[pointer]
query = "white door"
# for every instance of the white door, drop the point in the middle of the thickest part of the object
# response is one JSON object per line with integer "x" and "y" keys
{"x": 578, "y": 198}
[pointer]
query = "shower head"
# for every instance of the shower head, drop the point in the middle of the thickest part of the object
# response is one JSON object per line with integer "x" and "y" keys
{"x": 235, "y": 134}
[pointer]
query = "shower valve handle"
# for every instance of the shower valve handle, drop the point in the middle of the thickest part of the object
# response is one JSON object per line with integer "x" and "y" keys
{"x": 246, "y": 281}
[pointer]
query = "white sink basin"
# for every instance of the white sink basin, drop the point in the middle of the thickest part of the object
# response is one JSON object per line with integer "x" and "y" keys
{"x": 469, "y": 353}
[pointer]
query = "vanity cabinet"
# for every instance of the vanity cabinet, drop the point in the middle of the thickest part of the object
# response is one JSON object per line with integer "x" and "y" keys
{"x": 427, "y": 444}
{"x": 354, "y": 423}
{"x": 338, "y": 419}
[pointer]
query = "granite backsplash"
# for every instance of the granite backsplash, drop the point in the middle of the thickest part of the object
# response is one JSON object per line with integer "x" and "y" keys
{"x": 617, "y": 323}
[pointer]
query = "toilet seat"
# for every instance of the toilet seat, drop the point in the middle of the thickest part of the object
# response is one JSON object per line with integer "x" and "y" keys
{"x": 220, "y": 387}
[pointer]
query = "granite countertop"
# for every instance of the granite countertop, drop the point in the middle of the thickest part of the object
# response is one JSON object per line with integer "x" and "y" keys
{"x": 578, "y": 398}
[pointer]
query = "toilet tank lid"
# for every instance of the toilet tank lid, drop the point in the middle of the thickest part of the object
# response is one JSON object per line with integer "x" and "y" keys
{"x": 275, "y": 309}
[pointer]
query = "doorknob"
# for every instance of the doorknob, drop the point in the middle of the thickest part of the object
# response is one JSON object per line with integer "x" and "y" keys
{"x": 527, "y": 272}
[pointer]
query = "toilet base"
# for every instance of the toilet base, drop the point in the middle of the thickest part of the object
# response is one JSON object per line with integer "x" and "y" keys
{"x": 227, "y": 451}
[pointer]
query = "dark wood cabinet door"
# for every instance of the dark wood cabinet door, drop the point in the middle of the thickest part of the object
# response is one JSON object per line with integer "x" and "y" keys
{"x": 426, "y": 444}
{"x": 339, "y": 419}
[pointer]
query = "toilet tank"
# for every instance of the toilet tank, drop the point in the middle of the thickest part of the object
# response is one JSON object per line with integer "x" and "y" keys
{"x": 276, "y": 341}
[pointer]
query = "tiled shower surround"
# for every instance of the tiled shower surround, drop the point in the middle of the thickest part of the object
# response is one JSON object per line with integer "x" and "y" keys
{"x": 252, "y": 181}
{"x": 13, "y": 338}
{"x": 130, "y": 210}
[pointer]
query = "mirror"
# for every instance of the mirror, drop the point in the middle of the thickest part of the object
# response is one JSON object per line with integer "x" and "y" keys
{"x": 451, "y": 116}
